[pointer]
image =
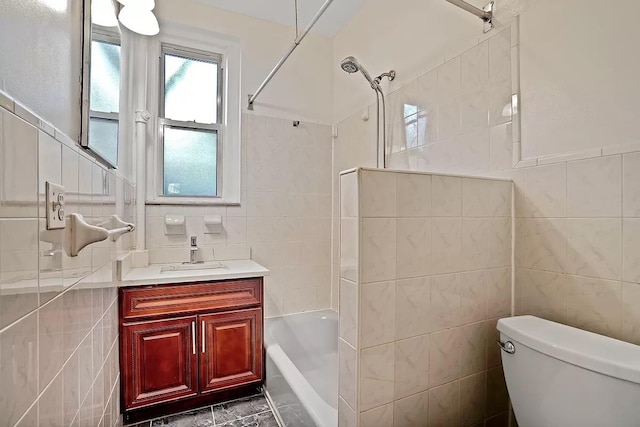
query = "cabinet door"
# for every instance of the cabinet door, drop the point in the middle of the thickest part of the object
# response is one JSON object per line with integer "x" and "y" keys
{"x": 231, "y": 352}
{"x": 159, "y": 361}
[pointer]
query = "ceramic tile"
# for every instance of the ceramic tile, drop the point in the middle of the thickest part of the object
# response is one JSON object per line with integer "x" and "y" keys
{"x": 474, "y": 64}
{"x": 494, "y": 358}
{"x": 474, "y": 111}
{"x": 545, "y": 243}
{"x": 348, "y": 372}
{"x": 30, "y": 418}
{"x": 413, "y": 301}
{"x": 445, "y": 301}
{"x": 349, "y": 248}
{"x": 18, "y": 371}
{"x": 70, "y": 397}
{"x": 501, "y": 146}
{"x": 594, "y": 305}
{"x": 486, "y": 198}
{"x": 85, "y": 367}
{"x": 499, "y": 242}
{"x": 446, "y": 249}
{"x": 546, "y": 191}
{"x": 475, "y": 153}
{"x": 237, "y": 409}
{"x": 472, "y": 399}
{"x": 475, "y": 253}
{"x": 413, "y": 247}
{"x": 20, "y": 167}
{"x": 631, "y": 185}
{"x": 473, "y": 296}
{"x": 377, "y": 194}
{"x": 444, "y": 405}
{"x": 50, "y": 405}
{"x": 349, "y": 195}
{"x": 412, "y": 411}
{"x": 377, "y": 376}
{"x": 378, "y": 249}
{"x": 594, "y": 248}
{"x": 594, "y": 187}
{"x": 500, "y": 56}
{"x": 447, "y": 196}
{"x": 631, "y": 313}
{"x": 51, "y": 340}
{"x": 497, "y": 397}
{"x": 411, "y": 366}
{"x": 545, "y": 294}
{"x": 49, "y": 166}
{"x": 381, "y": 416}
{"x": 413, "y": 195}
{"x": 198, "y": 418}
{"x": 500, "y": 108}
{"x": 631, "y": 250}
{"x": 444, "y": 357}
{"x": 346, "y": 415}
{"x": 498, "y": 282}
{"x": 473, "y": 350}
{"x": 348, "y": 311}
{"x": 377, "y": 313}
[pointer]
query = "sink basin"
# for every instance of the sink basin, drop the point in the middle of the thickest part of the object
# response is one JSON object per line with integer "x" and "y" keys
{"x": 191, "y": 267}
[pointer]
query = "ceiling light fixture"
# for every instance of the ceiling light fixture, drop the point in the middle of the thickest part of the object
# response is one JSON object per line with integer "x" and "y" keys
{"x": 137, "y": 16}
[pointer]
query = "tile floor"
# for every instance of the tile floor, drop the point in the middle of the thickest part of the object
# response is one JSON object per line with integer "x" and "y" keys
{"x": 250, "y": 411}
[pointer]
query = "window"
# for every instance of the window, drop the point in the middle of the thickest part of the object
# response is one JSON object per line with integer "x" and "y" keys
{"x": 191, "y": 122}
{"x": 104, "y": 98}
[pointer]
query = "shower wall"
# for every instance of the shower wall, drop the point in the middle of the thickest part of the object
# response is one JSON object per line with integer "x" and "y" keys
{"x": 577, "y": 212}
{"x": 425, "y": 273}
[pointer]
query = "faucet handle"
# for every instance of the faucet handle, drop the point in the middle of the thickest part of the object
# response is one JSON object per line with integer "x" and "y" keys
{"x": 194, "y": 241}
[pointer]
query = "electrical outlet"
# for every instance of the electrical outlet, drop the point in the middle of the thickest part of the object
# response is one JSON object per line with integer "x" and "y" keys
{"x": 55, "y": 206}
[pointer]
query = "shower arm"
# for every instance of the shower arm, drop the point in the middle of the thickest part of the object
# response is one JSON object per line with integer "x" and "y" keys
{"x": 486, "y": 13}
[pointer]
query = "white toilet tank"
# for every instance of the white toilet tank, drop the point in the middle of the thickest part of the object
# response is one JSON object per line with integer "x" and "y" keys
{"x": 561, "y": 376}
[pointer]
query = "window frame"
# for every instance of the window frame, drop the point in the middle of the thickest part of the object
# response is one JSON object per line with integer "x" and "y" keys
{"x": 229, "y": 172}
{"x": 102, "y": 35}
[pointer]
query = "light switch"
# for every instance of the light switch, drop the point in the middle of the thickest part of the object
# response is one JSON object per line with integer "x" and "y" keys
{"x": 55, "y": 206}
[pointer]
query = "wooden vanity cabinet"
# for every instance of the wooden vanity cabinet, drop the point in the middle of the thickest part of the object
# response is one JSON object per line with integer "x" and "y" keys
{"x": 187, "y": 345}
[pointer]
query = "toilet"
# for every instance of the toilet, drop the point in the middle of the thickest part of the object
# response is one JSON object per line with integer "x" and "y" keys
{"x": 559, "y": 376}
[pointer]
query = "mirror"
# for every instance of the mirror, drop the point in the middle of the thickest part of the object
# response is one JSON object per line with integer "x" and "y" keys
{"x": 101, "y": 81}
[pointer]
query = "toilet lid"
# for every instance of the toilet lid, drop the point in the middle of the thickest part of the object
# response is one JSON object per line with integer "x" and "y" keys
{"x": 591, "y": 351}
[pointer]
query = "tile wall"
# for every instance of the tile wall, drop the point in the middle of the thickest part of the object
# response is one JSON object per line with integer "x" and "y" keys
{"x": 58, "y": 315}
{"x": 425, "y": 273}
{"x": 285, "y": 215}
{"x": 578, "y": 221}
{"x": 456, "y": 118}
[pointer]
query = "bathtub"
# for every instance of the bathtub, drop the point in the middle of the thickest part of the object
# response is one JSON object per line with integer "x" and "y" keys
{"x": 302, "y": 368}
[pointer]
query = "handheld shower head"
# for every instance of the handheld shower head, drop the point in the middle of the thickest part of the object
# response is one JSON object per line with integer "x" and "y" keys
{"x": 351, "y": 65}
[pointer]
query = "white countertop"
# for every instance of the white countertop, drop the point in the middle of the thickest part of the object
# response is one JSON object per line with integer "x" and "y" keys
{"x": 151, "y": 275}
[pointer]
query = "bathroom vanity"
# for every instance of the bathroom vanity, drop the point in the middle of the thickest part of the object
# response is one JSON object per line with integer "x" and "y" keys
{"x": 189, "y": 338}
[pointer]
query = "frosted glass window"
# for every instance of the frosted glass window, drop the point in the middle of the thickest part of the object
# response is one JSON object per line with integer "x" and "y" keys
{"x": 190, "y": 89}
{"x": 190, "y": 162}
{"x": 105, "y": 77}
{"x": 103, "y": 134}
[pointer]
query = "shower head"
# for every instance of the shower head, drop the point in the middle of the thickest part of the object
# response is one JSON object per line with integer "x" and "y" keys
{"x": 351, "y": 65}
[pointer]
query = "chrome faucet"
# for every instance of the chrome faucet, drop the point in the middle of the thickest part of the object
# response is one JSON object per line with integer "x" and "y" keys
{"x": 193, "y": 251}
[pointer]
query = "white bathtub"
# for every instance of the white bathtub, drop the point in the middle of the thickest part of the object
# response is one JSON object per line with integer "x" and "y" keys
{"x": 302, "y": 368}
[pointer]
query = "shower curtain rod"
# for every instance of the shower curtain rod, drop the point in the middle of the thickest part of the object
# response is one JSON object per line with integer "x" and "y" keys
{"x": 296, "y": 42}
{"x": 486, "y": 13}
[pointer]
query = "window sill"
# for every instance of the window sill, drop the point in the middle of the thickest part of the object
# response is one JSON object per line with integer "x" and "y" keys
{"x": 192, "y": 201}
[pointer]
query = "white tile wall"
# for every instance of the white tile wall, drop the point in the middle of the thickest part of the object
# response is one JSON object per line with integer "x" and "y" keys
{"x": 285, "y": 214}
{"x": 59, "y": 362}
{"x": 421, "y": 336}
